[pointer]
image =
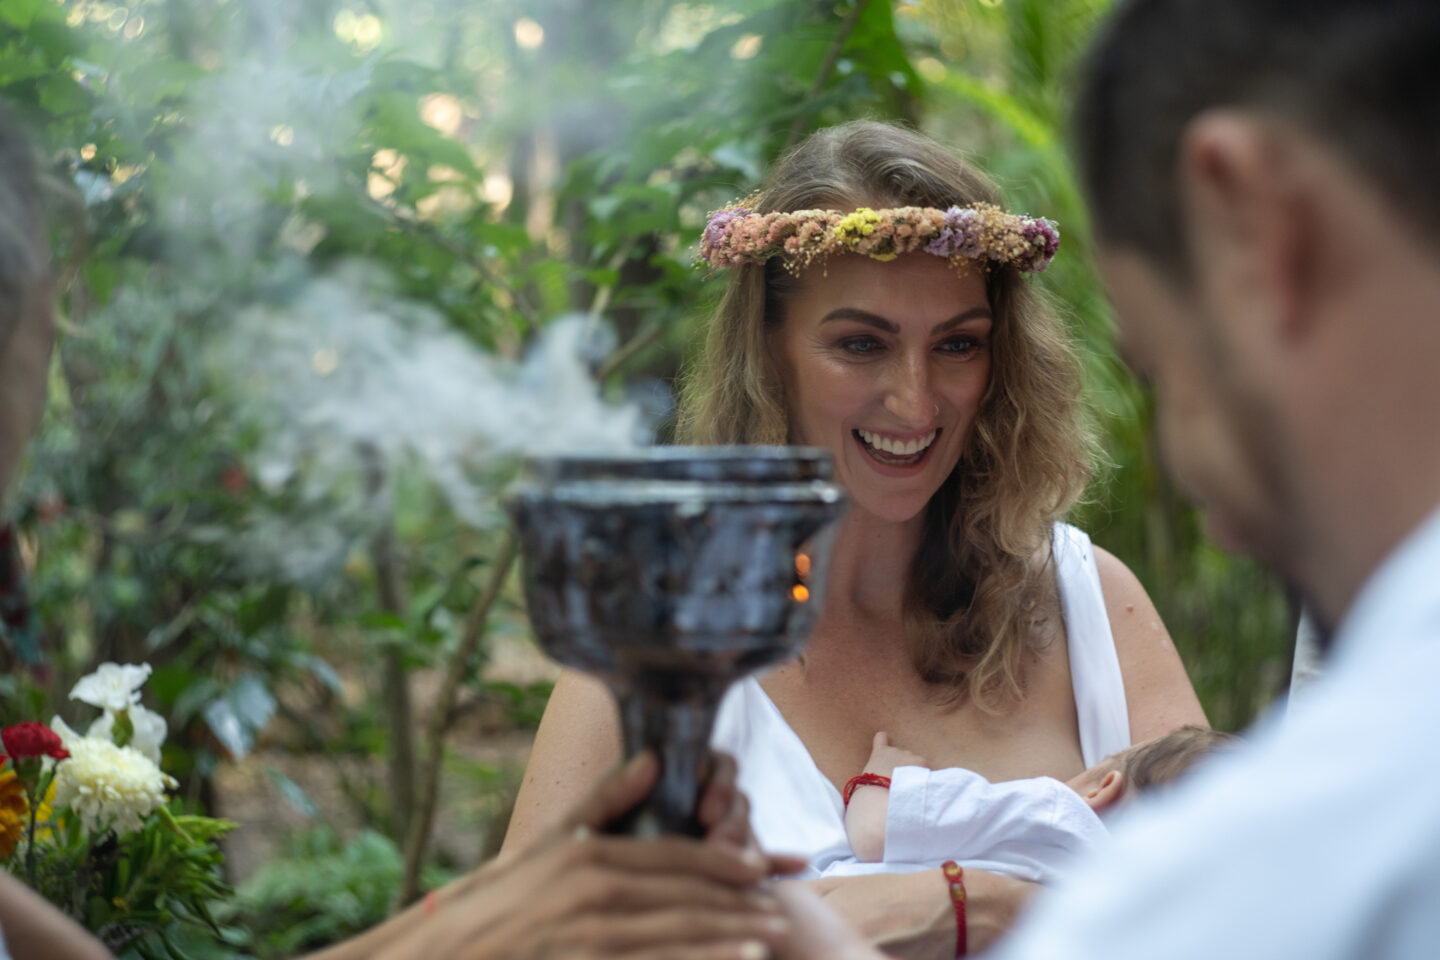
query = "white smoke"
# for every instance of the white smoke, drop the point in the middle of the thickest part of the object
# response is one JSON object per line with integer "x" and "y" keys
{"x": 351, "y": 386}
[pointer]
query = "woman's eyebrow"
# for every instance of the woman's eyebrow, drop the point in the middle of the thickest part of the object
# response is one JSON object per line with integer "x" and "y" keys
{"x": 860, "y": 316}
{"x": 857, "y": 315}
{"x": 974, "y": 313}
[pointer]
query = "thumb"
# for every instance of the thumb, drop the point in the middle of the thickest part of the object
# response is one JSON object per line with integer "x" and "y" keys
{"x": 882, "y": 739}
{"x": 615, "y": 795}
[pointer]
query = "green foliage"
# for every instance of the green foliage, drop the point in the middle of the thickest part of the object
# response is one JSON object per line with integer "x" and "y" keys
{"x": 317, "y": 891}
{"x": 136, "y": 892}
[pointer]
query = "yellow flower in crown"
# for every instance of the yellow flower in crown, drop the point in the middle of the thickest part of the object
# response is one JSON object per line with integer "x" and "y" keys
{"x": 13, "y": 812}
{"x": 854, "y": 227}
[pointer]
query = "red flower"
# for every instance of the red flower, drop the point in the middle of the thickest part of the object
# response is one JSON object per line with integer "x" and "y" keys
{"x": 26, "y": 740}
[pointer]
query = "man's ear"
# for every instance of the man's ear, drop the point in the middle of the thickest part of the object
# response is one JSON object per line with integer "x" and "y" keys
{"x": 1248, "y": 215}
{"x": 1108, "y": 793}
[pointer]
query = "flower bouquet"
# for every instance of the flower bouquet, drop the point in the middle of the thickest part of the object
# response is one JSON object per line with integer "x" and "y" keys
{"x": 85, "y": 821}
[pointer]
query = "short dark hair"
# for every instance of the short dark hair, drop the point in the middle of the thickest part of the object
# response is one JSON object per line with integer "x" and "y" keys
{"x": 1165, "y": 759}
{"x": 24, "y": 254}
{"x": 1359, "y": 74}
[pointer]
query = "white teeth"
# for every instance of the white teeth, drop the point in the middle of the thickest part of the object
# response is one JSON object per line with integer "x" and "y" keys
{"x": 897, "y": 448}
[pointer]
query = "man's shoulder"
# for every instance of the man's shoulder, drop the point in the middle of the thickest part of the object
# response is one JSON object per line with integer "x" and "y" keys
{"x": 1342, "y": 793}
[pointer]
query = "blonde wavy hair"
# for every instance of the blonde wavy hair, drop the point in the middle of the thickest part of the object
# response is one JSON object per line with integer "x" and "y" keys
{"x": 981, "y": 585}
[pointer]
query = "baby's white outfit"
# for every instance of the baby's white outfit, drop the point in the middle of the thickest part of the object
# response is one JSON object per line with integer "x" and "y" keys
{"x": 1027, "y": 829}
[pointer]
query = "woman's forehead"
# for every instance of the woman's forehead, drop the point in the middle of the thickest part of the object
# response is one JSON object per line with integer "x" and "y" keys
{"x": 913, "y": 283}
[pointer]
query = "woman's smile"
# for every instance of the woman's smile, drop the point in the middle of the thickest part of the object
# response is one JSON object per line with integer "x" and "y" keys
{"x": 895, "y": 453}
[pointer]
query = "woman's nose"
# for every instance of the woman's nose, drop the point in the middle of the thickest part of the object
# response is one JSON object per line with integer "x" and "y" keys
{"x": 910, "y": 398}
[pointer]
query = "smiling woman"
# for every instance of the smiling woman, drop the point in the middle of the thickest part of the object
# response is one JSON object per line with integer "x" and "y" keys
{"x": 876, "y": 307}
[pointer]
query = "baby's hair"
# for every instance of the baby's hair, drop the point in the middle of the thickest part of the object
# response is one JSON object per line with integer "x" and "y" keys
{"x": 1165, "y": 759}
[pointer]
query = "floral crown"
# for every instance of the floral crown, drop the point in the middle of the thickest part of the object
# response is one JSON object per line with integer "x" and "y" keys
{"x": 982, "y": 231}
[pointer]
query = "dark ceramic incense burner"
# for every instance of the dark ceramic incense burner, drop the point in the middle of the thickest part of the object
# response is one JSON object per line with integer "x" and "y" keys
{"x": 669, "y": 574}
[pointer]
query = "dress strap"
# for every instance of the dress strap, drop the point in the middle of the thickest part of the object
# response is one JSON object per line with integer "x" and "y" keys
{"x": 1095, "y": 675}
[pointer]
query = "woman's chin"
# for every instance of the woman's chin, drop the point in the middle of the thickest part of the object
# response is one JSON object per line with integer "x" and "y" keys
{"x": 886, "y": 506}
{"x": 877, "y": 491}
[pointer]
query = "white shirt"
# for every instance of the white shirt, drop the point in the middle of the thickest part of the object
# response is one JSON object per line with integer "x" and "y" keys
{"x": 1026, "y": 829}
{"x": 795, "y": 809}
{"x": 1320, "y": 840}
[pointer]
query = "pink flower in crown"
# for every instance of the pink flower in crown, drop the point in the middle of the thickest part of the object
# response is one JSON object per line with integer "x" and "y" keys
{"x": 718, "y": 229}
{"x": 959, "y": 236}
{"x": 1043, "y": 239}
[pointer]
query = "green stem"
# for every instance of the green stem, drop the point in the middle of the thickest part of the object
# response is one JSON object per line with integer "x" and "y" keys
{"x": 30, "y": 838}
{"x": 173, "y": 824}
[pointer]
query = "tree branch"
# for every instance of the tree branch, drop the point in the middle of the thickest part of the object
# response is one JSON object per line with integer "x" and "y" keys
{"x": 438, "y": 723}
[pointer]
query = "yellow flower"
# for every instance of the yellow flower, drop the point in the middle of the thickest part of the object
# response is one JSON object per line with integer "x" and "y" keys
{"x": 13, "y": 813}
{"x": 853, "y": 227}
{"x": 45, "y": 813}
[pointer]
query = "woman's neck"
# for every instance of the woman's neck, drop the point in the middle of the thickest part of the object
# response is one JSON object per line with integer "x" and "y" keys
{"x": 870, "y": 566}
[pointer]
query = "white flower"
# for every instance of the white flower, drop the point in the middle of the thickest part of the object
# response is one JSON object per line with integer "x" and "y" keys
{"x": 63, "y": 731}
{"x": 112, "y": 686}
{"x": 108, "y": 785}
{"x": 150, "y": 730}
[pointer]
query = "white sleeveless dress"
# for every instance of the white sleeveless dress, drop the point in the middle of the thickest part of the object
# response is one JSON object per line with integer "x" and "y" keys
{"x": 795, "y": 809}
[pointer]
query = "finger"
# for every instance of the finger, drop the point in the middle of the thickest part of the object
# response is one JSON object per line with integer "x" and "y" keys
{"x": 882, "y": 740}
{"x": 593, "y": 887}
{"x": 734, "y": 828}
{"x": 720, "y": 793}
{"x": 786, "y": 864}
{"x": 674, "y": 856}
{"x": 616, "y": 794}
{"x": 670, "y": 929}
{"x": 736, "y": 950}
{"x": 819, "y": 931}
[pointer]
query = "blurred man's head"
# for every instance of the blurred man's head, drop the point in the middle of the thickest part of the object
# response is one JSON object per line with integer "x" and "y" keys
{"x": 26, "y": 318}
{"x": 1262, "y": 174}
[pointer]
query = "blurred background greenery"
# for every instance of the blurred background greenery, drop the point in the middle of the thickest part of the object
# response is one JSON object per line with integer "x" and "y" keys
{"x": 496, "y": 164}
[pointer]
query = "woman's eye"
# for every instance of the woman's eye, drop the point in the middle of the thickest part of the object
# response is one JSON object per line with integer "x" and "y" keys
{"x": 861, "y": 346}
{"x": 960, "y": 346}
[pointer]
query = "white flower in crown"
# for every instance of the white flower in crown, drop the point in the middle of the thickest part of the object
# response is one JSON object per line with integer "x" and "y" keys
{"x": 112, "y": 686}
{"x": 149, "y": 730}
{"x": 106, "y": 785}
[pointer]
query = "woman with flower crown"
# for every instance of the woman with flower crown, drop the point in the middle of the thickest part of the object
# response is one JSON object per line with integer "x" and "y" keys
{"x": 877, "y": 306}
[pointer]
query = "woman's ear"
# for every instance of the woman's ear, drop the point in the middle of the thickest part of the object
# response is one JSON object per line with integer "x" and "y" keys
{"x": 1110, "y": 791}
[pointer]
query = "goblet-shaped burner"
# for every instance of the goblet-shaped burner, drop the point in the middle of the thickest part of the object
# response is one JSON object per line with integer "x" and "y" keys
{"x": 669, "y": 574}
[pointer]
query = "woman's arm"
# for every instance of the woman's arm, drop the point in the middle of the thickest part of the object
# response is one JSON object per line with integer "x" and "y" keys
{"x": 911, "y": 915}
{"x": 35, "y": 930}
{"x": 578, "y": 741}
{"x": 1158, "y": 694}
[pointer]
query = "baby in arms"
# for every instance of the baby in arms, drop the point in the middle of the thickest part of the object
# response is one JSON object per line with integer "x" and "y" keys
{"x": 901, "y": 816}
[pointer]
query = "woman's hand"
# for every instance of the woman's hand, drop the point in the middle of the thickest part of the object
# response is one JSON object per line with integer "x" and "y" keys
{"x": 911, "y": 915}
{"x": 578, "y": 894}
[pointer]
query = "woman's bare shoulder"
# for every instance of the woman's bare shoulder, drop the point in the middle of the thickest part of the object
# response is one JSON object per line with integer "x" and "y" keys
{"x": 578, "y": 740}
{"x": 1158, "y": 693}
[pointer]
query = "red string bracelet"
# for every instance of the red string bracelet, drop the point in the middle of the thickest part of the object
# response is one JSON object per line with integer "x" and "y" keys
{"x": 955, "y": 876}
{"x": 863, "y": 780}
